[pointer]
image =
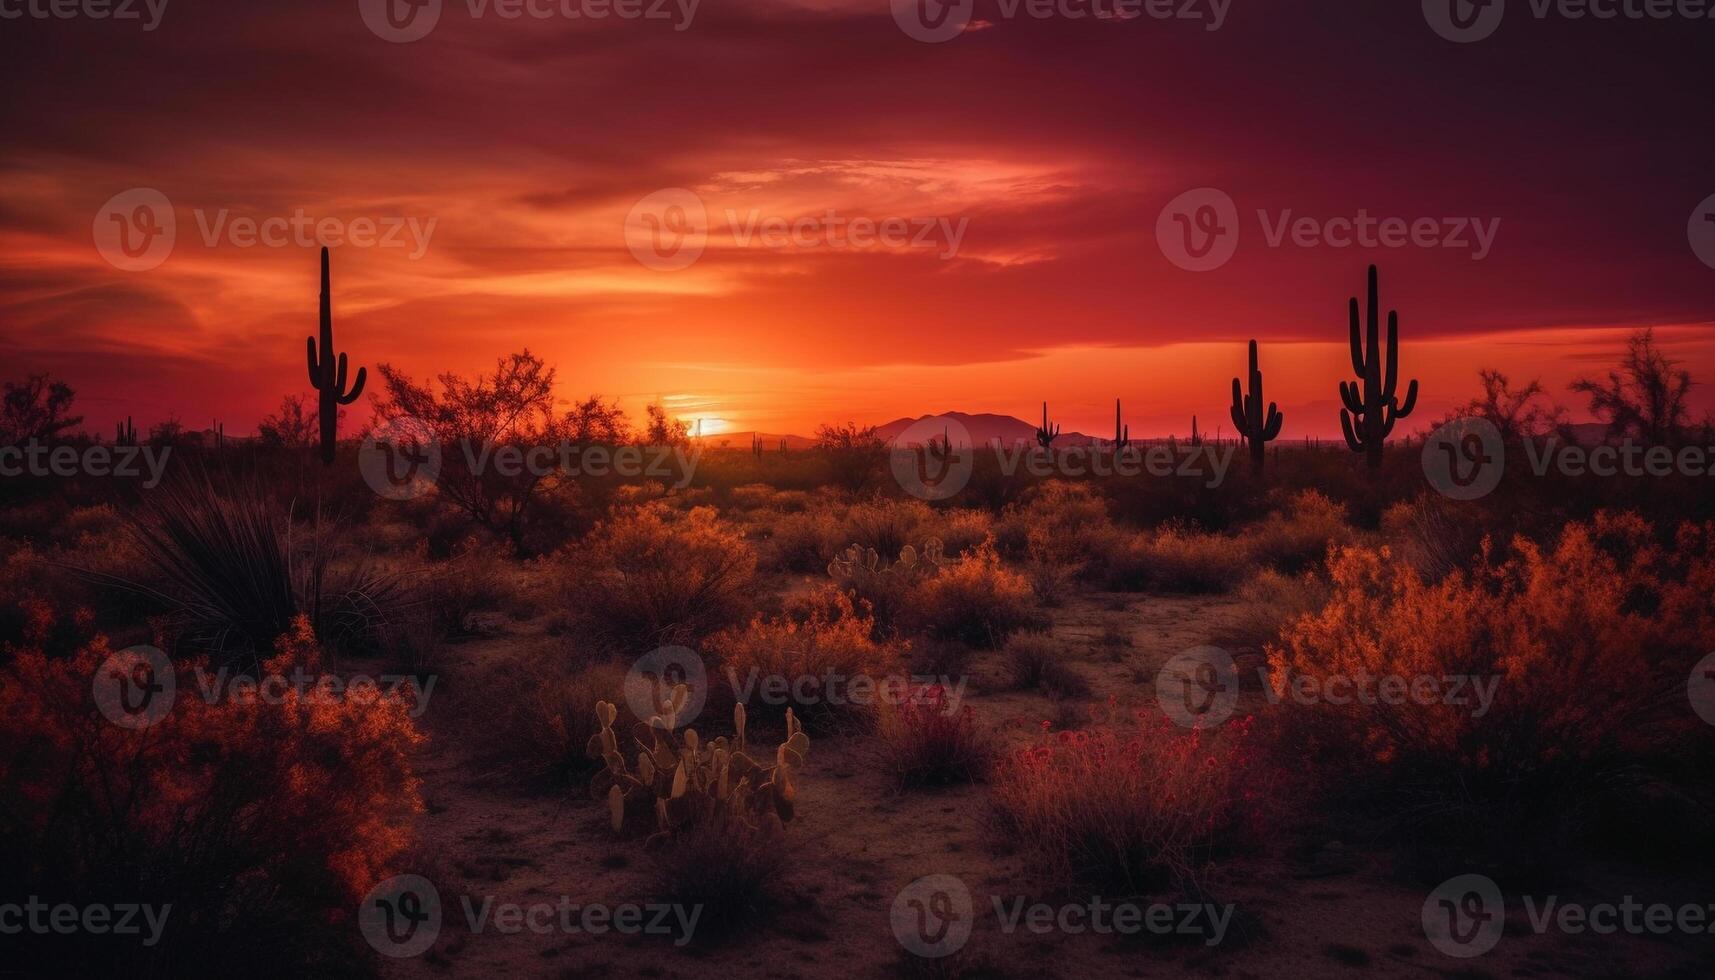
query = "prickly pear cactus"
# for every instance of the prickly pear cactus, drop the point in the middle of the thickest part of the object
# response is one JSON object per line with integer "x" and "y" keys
{"x": 680, "y": 781}
{"x": 859, "y": 566}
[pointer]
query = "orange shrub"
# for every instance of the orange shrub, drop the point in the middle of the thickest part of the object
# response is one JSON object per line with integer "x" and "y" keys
{"x": 262, "y": 824}
{"x": 650, "y": 577}
{"x": 976, "y": 600}
{"x": 1588, "y": 644}
{"x": 1140, "y": 807}
{"x": 831, "y": 642}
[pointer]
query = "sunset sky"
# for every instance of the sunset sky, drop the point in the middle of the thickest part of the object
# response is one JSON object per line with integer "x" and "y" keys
{"x": 1051, "y": 145}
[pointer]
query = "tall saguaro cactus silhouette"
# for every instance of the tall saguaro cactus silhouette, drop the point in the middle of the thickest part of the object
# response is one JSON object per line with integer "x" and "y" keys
{"x": 1258, "y": 427}
{"x": 1122, "y": 433}
{"x": 1371, "y": 411}
{"x": 327, "y": 373}
{"x": 1046, "y": 435}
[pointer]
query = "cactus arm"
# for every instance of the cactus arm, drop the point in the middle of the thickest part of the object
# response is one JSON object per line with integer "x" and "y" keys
{"x": 356, "y": 388}
{"x": 1401, "y": 411}
{"x": 1391, "y": 384}
{"x": 1274, "y": 421}
{"x": 1356, "y": 444}
{"x": 339, "y": 375}
{"x": 1357, "y": 340}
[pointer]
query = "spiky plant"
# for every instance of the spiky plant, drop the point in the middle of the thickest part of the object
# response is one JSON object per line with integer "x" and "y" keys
{"x": 1046, "y": 434}
{"x": 327, "y": 373}
{"x": 1257, "y": 426}
{"x": 1122, "y": 434}
{"x": 1372, "y": 410}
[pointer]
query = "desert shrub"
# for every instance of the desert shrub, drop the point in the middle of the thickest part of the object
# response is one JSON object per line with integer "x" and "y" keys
{"x": 650, "y": 577}
{"x": 1587, "y": 643}
{"x": 1140, "y": 807}
{"x": 261, "y": 824}
{"x": 1301, "y": 535}
{"x": 960, "y": 529}
{"x": 976, "y": 600}
{"x": 1268, "y": 602}
{"x": 818, "y": 658}
{"x": 926, "y": 739}
{"x": 1071, "y": 518}
{"x": 534, "y": 724}
{"x": 886, "y": 525}
{"x": 1048, "y": 567}
{"x": 802, "y": 542}
{"x": 1181, "y": 559}
{"x": 1037, "y": 663}
{"x": 735, "y": 879}
{"x": 477, "y": 578}
{"x": 1435, "y": 535}
{"x": 886, "y": 585}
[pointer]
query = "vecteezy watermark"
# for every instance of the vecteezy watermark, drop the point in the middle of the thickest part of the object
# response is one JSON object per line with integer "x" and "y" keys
{"x": 935, "y": 21}
{"x": 149, "y": 12}
{"x": 1465, "y": 458}
{"x": 136, "y": 230}
{"x": 403, "y": 21}
{"x": 94, "y": 919}
{"x": 1465, "y": 21}
{"x": 137, "y": 687}
{"x": 1198, "y": 688}
{"x": 1199, "y": 231}
{"x": 1700, "y": 230}
{"x": 654, "y": 677}
{"x": 837, "y": 689}
{"x": 402, "y": 917}
{"x": 1466, "y": 916}
{"x": 669, "y": 229}
{"x": 1472, "y": 691}
{"x": 928, "y": 464}
{"x": 934, "y": 917}
{"x": 1700, "y": 689}
{"x": 37, "y": 460}
{"x": 403, "y": 459}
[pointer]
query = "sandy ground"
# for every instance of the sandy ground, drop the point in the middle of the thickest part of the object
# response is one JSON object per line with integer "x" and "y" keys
{"x": 1305, "y": 909}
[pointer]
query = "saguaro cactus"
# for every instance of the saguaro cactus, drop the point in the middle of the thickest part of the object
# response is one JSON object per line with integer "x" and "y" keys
{"x": 127, "y": 434}
{"x": 1370, "y": 412}
{"x": 1196, "y": 437}
{"x": 327, "y": 374}
{"x": 1046, "y": 435}
{"x": 1122, "y": 435}
{"x": 1256, "y": 426}
{"x": 941, "y": 451}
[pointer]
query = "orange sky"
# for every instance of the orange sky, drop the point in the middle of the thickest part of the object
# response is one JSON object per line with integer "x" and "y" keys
{"x": 1052, "y": 148}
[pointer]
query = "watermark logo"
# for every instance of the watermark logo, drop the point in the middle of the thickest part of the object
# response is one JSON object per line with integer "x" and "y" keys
{"x": 135, "y": 230}
{"x": 149, "y": 12}
{"x": 668, "y": 230}
{"x": 933, "y": 917}
{"x": 1465, "y": 458}
{"x": 135, "y": 687}
{"x": 36, "y": 459}
{"x": 1700, "y": 688}
{"x": 33, "y": 915}
{"x": 401, "y": 460}
{"x": 1464, "y": 916}
{"x": 1198, "y": 231}
{"x": 933, "y": 21}
{"x": 650, "y": 683}
{"x": 1464, "y": 21}
{"x": 1198, "y": 688}
{"x": 400, "y": 21}
{"x": 1701, "y": 231}
{"x": 401, "y": 916}
{"x": 933, "y": 458}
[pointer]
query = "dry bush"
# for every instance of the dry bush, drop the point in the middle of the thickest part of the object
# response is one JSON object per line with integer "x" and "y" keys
{"x": 961, "y": 529}
{"x": 734, "y": 876}
{"x": 830, "y": 643}
{"x": 1301, "y": 536}
{"x": 1269, "y": 602}
{"x": 261, "y": 824}
{"x": 649, "y": 577}
{"x": 1589, "y": 643}
{"x": 802, "y": 542}
{"x": 1139, "y": 807}
{"x": 1435, "y": 535}
{"x": 886, "y": 525}
{"x": 925, "y": 739}
{"x": 1181, "y": 559}
{"x": 533, "y": 723}
{"x": 976, "y": 600}
{"x": 1038, "y": 663}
